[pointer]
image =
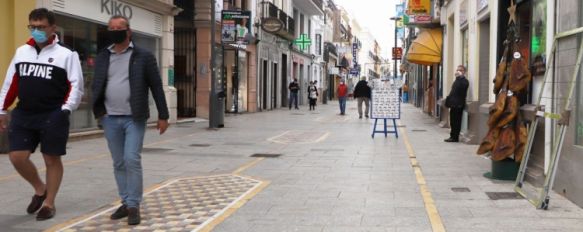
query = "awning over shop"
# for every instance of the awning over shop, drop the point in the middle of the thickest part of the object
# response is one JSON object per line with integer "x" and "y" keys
{"x": 426, "y": 49}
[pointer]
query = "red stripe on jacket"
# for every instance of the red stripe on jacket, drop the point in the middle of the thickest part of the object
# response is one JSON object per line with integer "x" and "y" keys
{"x": 68, "y": 92}
{"x": 12, "y": 92}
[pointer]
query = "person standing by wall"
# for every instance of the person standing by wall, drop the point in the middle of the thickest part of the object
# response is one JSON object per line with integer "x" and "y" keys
{"x": 362, "y": 94}
{"x": 48, "y": 81}
{"x": 456, "y": 101}
{"x": 312, "y": 95}
{"x": 342, "y": 91}
{"x": 120, "y": 101}
{"x": 293, "y": 93}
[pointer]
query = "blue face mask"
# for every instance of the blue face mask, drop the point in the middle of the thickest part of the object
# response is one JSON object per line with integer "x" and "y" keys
{"x": 39, "y": 36}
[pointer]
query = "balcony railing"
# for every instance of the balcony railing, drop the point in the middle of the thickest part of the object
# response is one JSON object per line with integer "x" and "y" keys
{"x": 272, "y": 11}
{"x": 319, "y": 4}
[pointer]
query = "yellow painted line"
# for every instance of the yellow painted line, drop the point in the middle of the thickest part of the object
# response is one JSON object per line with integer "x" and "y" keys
{"x": 247, "y": 166}
{"x": 322, "y": 138}
{"x": 430, "y": 208}
{"x": 233, "y": 208}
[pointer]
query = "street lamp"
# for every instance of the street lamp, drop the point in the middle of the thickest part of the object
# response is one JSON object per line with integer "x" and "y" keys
{"x": 396, "y": 19}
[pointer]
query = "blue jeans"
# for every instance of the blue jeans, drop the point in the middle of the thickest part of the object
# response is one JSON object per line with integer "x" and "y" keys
{"x": 342, "y": 102}
{"x": 293, "y": 97}
{"x": 125, "y": 139}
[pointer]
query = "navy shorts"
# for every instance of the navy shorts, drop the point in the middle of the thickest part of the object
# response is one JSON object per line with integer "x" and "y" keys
{"x": 51, "y": 130}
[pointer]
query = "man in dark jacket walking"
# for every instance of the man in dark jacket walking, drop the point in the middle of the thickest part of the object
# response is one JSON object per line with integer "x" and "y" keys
{"x": 362, "y": 94}
{"x": 456, "y": 101}
{"x": 123, "y": 76}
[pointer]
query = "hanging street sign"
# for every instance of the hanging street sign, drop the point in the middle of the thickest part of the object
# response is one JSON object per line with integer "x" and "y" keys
{"x": 271, "y": 25}
{"x": 303, "y": 42}
{"x": 397, "y": 53}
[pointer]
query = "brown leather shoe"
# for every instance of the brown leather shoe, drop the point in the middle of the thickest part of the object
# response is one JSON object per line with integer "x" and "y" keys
{"x": 45, "y": 213}
{"x": 134, "y": 216}
{"x": 36, "y": 203}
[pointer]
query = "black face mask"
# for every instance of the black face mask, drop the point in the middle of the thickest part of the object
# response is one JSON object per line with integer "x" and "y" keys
{"x": 117, "y": 36}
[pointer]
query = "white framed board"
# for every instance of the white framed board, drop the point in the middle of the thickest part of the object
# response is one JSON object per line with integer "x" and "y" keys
{"x": 386, "y": 103}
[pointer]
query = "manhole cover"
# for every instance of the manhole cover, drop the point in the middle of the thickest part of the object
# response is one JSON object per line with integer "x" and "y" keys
{"x": 401, "y": 126}
{"x": 200, "y": 145}
{"x": 419, "y": 130}
{"x": 155, "y": 150}
{"x": 503, "y": 195}
{"x": 297, "y": 114}
{"x": 265, "y": 155}
{"x": 460, "y": 190}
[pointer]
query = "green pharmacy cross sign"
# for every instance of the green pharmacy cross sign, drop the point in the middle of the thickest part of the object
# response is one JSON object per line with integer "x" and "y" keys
{"x": 303, "y": 42}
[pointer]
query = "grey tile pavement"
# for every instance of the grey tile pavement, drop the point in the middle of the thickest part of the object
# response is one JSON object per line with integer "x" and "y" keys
{"x": 346, "y": 182}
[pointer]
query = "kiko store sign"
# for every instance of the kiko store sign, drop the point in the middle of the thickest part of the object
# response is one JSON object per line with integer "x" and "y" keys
{"x": 141, "y": 20}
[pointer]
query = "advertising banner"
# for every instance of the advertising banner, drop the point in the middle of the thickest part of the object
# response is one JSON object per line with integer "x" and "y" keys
{"x": 236, "y": 26}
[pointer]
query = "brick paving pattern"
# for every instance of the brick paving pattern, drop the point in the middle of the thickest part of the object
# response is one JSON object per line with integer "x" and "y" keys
{"x": 181, "y": 205}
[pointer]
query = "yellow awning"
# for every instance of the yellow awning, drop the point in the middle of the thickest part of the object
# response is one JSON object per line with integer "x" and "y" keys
{"x": 426, "y": 49}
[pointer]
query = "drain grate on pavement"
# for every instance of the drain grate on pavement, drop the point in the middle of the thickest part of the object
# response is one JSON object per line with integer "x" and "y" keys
{"x": 155, "y": 150}
{"x": 180, "y": 205}
{"x": 503, "y": 195}
{"x": 460, "y": 189}
{"x": 419, "y": 130}
{"x": 266, "y": 155}
{"x": 200, "y": 145}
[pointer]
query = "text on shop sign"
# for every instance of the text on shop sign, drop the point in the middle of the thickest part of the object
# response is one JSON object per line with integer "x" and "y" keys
{"x": 112, "y": 7}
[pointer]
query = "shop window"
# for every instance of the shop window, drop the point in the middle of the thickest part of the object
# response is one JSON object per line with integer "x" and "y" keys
{"x": 87, "y": 39}
{"x": 538, "y": 39}
{"x": 465, "y": 48}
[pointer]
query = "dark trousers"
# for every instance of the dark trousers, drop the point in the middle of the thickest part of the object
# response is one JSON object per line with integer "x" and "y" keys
{"x": 293, "y": 98}
{"x": 455, "y": 121}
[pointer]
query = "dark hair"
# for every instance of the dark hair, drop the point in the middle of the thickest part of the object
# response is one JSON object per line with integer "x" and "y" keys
{"x": 121, "y": 17}
{"x": 42, "y": 13}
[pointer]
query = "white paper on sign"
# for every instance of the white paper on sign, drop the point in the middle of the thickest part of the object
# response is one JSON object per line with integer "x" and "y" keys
{"x": 385, "y": 100}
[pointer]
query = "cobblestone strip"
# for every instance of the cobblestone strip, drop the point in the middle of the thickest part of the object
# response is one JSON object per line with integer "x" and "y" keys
{"x": 187, "y": 204}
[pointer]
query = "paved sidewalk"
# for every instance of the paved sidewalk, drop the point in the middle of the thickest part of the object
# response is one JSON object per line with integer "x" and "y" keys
{"x": 331, "y": 176}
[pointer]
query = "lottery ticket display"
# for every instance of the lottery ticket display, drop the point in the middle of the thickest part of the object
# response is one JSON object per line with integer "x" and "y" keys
{"x": 385, "y": 100}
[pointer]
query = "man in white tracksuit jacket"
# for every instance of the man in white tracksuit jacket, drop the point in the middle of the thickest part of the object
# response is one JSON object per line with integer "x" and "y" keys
{"x": 48, "y": 81}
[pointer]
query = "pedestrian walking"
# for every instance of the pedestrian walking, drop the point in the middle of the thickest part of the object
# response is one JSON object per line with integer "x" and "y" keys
{"x": 293, "y": 93}
{"x": 405, "y": 93}
{"x": 120, "y": 101}
{"x": 342, "y": 92}
{"x": 312, "y": 95}
{"x": 362, "y": 94}
{"x": 456, "y": 101}
{"x": 48, "y": 81}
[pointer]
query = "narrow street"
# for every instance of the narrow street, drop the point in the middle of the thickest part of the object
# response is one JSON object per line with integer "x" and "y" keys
{"x": 330, "y": 175}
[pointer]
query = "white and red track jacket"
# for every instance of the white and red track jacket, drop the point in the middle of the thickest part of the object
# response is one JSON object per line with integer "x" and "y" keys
{"x": 43, "y": 80}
